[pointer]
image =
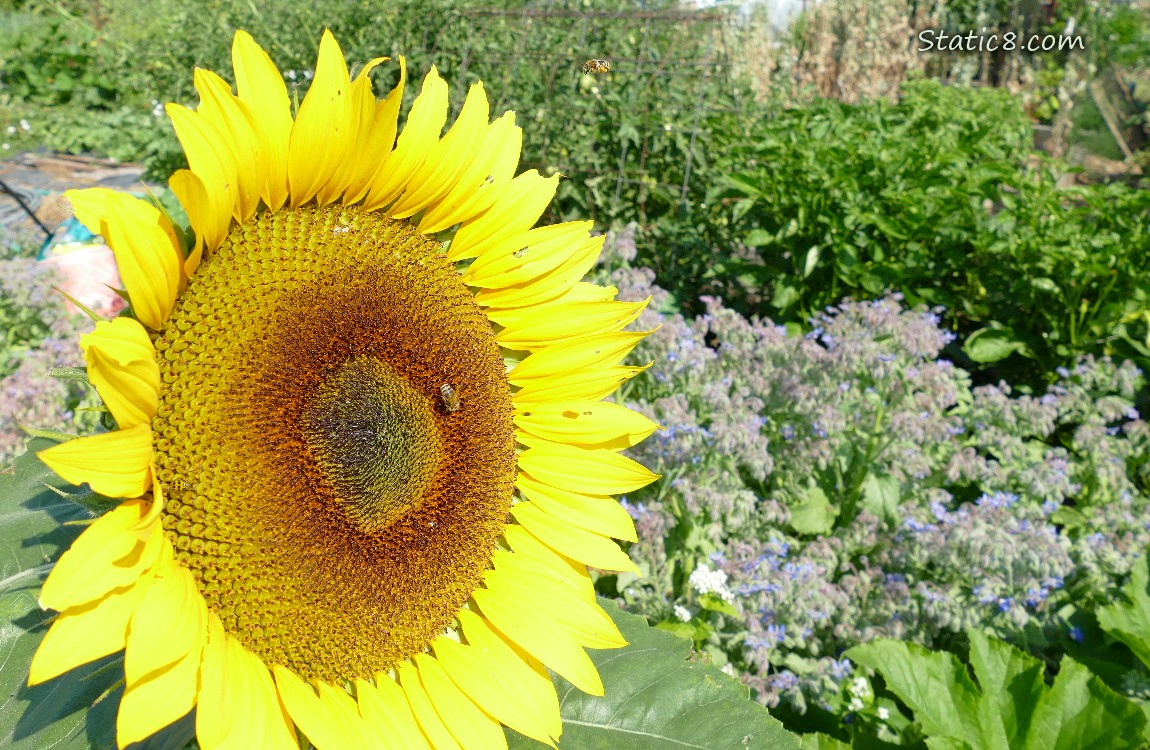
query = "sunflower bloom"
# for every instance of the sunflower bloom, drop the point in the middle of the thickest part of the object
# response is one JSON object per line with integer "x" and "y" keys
{"x": 361, "y": 438}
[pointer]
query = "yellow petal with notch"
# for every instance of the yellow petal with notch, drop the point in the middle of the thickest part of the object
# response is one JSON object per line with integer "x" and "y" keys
{"x": 471, "y": 727}
{"x": 527, "y": 256}
{"x": 516, "y": 211}
{"x": 420, "y": 134}
{"x": 596, "y": 472}
{"x": 193, "y": 196}
{"x": 115, "y": 464}
{"x": 581, "y": 292}
{"x": 324, "y": 130}
{"x": 484, "y": 181}
{"x": 376, "y": 145}
{"x": 448, "y": 158}
{"x": 601, "y": 514}
{"x": 550, "y": 285}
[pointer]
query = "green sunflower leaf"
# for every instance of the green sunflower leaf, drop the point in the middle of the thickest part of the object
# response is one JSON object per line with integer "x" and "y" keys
{"x": 58, "y": 714}
{"x": 657, "y": 699}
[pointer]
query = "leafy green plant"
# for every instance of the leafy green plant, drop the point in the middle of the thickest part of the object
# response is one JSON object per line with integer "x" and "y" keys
{"x": 933, "y": 197}
{"x": 1009, "y": 706}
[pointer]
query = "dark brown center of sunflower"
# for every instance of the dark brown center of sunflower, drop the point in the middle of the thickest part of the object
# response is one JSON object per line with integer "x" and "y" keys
{"x": 335, "y": 507}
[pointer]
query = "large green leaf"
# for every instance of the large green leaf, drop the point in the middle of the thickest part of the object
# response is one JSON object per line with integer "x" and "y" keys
{"x": 1129, "y": 621}
{"x": 1081, "y": 713}
{"x": 935, "y": 685}
{"x": 657, "y": 699}
{"x": 58, "y": 714}
{"x": 1011, "y": 707}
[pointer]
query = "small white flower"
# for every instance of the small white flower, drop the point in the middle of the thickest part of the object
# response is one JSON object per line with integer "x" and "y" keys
{"x": 11, "y": 129}
{"x": 883, "y": 713}
{"x": 728, "y": 668}
{"x": 855, "y": 705}
{"x": 5, "y": 146}
{"x": 859, "y": 686}
{"x": 682, "y": 613}
{"x": 707, "y": 581}
{"x": 157, "y": 108}
{"x": 308, "y": 74}
{"x": 289, "y": 74}
{"x": 25, "y": 126}
{"x": 595, "y": 90}
{"x": 667, "y": 127}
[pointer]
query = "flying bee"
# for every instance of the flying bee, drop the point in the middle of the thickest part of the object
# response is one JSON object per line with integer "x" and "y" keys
{"x": 597, "y": 66}
{"x": 449, "y": 397}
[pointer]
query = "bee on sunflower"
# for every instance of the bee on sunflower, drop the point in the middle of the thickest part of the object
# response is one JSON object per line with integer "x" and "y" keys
{"x": 309, "y": 544}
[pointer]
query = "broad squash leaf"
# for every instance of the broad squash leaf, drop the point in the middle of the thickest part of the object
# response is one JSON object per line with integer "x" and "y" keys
{"x": 1129, "y": 621}
{"x": 656, "y": 699}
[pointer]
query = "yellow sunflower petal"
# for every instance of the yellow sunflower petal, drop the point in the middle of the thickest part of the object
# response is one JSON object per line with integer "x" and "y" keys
{"x": 527, "y": 256}
{"x": 169, "y": 625}
{"x": 601, "y": 350}
{"x": 595, "y": 472}
{"x": 342, "y": 707}
{"x": 122, "y": 366}
{"x": 552, "y": 324}
{"x": 585, "y": 423}
{"x": 88, "y": 632}
{"x": 316, "y": 717}
{"x": 260, "y": 86}
{"x": 471, "y": 727}
{"x": 361, "y": 117}
{"x": 107, "y": 556}
{"x": 388, "y": 716}
{"x": 536, "y": 632}
{"x": 583, "y": 619}
{"x": 144, "y": 243}
{"x": 493, "y": 687}
{"x": 591, "y": 384}
{"x": 325, "y": 127}
{"x": 193, "y": 196}
{"x": 272, "y": 728}
{"x": 374, "y": 148}
{"x": 585, "y": 546}
{"x": 510, "y": 317}
{"x": 516, "y": 211}
{"x": 211, "y": 160}
{"x": 231, "y": 116}
{"x": 483, "y": 182}
{"x": 115, "y": 464}
{"x": 438, "y": 735}
{"x": 601, "y": 514}
{"x": 535, "y": 702}
{"x": 215, "y": 710}
{"x": 448, "y": 158}
{"x": 546, "y": 560}
{"x": 550, "y": 285}
{"x": 162, "y": 656}
{"x": 420, "y": 134}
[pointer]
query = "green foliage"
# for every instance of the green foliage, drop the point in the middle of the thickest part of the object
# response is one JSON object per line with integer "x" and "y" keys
{"x": 47, "y": 59}
{"x": 1010, "y": 706}
{"x": 1129, "y": 621}
{"x": 933, "y": 197}
{"x": 658, "y": 696}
